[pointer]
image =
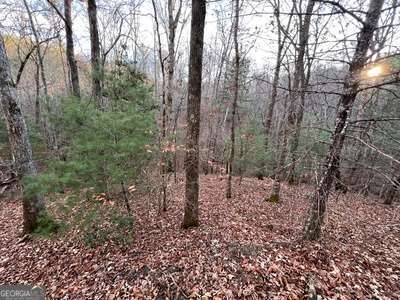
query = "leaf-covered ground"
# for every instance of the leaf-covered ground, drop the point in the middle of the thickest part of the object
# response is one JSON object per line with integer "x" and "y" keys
{"x": 244, "y": 248}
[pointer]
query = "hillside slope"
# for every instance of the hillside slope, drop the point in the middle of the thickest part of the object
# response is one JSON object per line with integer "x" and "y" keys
{"x": 244, "y": 248}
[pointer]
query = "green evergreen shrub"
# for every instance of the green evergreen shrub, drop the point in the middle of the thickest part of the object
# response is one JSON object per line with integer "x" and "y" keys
{"x": 98, "y": 151}
{"x": 257, "y": 159}
{"x": 48, "y": 226}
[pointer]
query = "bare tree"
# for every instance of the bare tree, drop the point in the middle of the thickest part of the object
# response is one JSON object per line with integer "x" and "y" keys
{"x": 70, "y": 52}
{"x": 298, "y": 80}
{"x": 278, "y": 65}
{"x": 191, "y": 215}
{"x": 319, "y": 198}
{"x": 39, "y": 58}
{"x": 172, "y": 25}
{"x": 235, "y": 100}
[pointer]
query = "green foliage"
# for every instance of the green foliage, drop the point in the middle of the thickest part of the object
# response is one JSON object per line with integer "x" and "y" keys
{"x": 100, "y": 226}
{"x": 126, "y": 84}
{"x": 47, "y": 226}
{"x": 101, "y": 148}
{"x": 274, "y": 198}
{"x": 254, "y": 158}
{"x": 97, "y": 151}
{"x": 312, "y": 147}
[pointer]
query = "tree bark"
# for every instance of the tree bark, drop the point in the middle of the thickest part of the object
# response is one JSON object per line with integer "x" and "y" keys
{"x": 299, "y": 83}
{"x": 163, "y": 158}
{"x": 312, "y": 229}
{"x": 40, "y": 71}
{"x": 274, "y": 93}
{"x": 392, "y": 191}
{"x": 191, "y": 215}
{"x": 172, "y": 25}
{"x": 95, "y": 54}
{"x": 296, "y": 135}
{"x": 38, "y": 50}
{"x": 37, "y": 94}
{"x": 235, "y": 101}
{"x": 73, "y": 68}
{"x": 298, "y": 79}
{"x": 33, "y": 205}
{"x": 275, "y": 80}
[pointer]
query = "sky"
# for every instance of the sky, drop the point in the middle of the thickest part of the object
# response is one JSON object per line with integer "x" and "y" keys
{"x": 257, "y": 36}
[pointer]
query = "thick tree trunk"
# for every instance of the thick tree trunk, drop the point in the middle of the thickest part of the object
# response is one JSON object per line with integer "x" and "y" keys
{"x": 191, "y": 216}
{"x": 338, "y": 180}
{"x": 235, "y": 100}
{"x": 33, "y": 205}
{"x": 73, "y": 68}
{"x": 316, "y": 215}
{"x": 95, "y": 54}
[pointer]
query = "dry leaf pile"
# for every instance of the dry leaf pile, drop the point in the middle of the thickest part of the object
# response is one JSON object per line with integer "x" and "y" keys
{"x": 244, "y": 248}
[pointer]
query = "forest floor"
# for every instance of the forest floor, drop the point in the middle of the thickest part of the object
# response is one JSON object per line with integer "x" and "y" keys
{"x": 244, "y": 248}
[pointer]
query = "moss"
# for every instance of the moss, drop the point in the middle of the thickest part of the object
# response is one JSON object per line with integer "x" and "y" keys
{"x": 273, "y": 198}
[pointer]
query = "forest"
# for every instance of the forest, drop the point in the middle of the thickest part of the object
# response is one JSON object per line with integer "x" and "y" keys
{"x": 193, "y": 149}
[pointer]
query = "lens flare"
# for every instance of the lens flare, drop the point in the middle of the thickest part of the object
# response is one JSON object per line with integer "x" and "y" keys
{"x": 374, "y": 71}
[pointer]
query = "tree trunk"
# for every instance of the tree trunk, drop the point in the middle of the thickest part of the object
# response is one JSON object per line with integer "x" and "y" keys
{"x": 338, "y": 180}
{"x": 37, "y": 94}
{"x": 235, "y": 101}
{"x": 191, "y": 215}
{"x": 274, "y": 93}
{"x": 316, "y": 215}
{"x": 163, "y": 158}
{"x": 172, "y": 24}
{"x": 95, "y": 54}
{"x": 290, "y": 125}
{"x": 33, "y": 205}
{"x": 275, "y": 80}
{"x": 226, "y": 48}
{"x": 38, "y": 50}
{"x": 299, "y": 85}
{"x": 393, "y": 190}
{"x": 40, "y": 72}
{"x": 73, "y": 68}
{"x": 299, "y": 121}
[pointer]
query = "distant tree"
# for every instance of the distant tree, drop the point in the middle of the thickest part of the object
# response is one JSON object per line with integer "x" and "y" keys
{"x": 167, "y": 73}
{"x": 234, "y": 100}
{"x": 191, "y": 215}
{"x": 300, "y": 83}
{"x": 282, "y": 37}
{"x": 40, "y": 64}
{"x": 70, "y": 52}
{"x": 295, "y": 93}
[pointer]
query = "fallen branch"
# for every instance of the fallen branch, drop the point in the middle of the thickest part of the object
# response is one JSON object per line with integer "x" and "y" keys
{"x": 8, "y": 181}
